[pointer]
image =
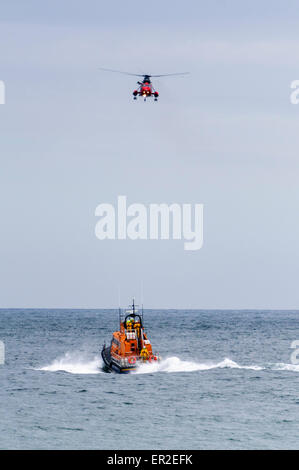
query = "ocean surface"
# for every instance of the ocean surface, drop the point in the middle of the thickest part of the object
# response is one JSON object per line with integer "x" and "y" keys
{"x": 226, "y": 381}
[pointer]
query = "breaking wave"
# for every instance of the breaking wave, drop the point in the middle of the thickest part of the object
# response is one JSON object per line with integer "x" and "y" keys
{"x": 174, "y": 364}
{"x": 74, "y": 364}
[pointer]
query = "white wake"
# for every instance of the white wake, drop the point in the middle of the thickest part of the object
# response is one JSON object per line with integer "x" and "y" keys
{"x": 74, "y": 364}
{"x": 283, "y": 366}
{"x": 174, "y": 364}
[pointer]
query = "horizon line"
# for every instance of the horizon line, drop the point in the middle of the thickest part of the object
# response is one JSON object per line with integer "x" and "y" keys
{"x": 157, "y": 308}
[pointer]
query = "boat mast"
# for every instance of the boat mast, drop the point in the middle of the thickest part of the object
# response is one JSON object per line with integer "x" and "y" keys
{"x": 119, "y": 309}
{"x": 141, "y": 295}
{"x": 119, "y": 316}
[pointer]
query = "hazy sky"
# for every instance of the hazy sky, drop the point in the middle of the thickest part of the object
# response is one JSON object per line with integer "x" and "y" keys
{"x": 225, "y": 136}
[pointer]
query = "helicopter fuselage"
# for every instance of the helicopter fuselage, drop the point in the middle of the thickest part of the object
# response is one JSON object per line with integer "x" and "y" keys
{"x": 145, "y": 90}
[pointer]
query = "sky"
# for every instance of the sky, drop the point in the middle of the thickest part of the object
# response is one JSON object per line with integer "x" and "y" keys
{"x": 225, "y": 136}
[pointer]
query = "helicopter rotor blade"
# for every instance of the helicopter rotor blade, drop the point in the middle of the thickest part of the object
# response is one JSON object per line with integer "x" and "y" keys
{"x": 170, "y": 74}
{"x": 143, "y": 74}
{"x": 120, "y": 71}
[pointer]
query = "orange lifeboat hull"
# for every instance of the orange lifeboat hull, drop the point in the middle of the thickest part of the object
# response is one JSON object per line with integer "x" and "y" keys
{"x": 129, "y": 346}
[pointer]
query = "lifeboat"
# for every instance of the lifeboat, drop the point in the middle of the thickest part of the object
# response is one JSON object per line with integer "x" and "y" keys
{"x": 129, "y": 346}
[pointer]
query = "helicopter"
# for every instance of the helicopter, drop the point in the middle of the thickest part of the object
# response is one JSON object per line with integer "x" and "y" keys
{"x": 145, "y": 89}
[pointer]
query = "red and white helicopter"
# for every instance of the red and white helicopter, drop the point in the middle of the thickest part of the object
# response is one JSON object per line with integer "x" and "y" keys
{"x": 145, "y": 89}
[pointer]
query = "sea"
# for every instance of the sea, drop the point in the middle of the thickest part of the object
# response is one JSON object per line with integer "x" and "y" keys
{"x": 226, "y": 380}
